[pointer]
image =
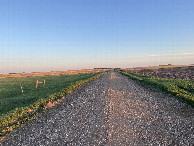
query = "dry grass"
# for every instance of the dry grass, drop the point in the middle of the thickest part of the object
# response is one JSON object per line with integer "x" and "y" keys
{"x": 53, "y": 73}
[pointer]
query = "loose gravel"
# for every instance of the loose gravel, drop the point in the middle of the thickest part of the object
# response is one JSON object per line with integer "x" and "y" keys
{"x": 112, "y": 110}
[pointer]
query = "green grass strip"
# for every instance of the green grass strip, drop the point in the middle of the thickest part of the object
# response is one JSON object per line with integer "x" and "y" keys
{"x": 180, "y": 88}
{"x": 18, "y": 116}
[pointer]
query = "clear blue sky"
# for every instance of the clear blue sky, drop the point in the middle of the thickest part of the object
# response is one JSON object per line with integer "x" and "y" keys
{"x": 45, "y": 35}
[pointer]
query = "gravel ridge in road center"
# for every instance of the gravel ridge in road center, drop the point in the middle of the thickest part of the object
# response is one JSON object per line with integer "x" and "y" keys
{"x": 112, "y": 110}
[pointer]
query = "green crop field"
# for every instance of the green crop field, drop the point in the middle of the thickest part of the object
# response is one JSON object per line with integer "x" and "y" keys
{"x": 180, "y": 88}
{"x": 11, "y": 96}
{"x": 14, "y": 104}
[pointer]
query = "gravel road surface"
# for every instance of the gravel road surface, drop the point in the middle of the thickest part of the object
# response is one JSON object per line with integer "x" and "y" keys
{"x": 112, "y": 110}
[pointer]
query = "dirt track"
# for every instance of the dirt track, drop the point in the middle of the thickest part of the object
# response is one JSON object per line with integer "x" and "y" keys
{"x": 112, "y": 110}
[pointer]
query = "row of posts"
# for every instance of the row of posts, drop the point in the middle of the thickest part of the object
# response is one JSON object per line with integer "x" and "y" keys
{"x": 39, "y": 82}
{"x": 36, "y": 85}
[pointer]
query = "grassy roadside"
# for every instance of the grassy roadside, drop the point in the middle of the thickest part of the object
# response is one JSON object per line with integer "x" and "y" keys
{"x": 179, "y": 88}
{"x": 28, "y": 108}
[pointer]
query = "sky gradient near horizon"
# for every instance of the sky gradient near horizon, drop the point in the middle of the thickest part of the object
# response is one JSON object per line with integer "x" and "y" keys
{"x": 52, "y": 35}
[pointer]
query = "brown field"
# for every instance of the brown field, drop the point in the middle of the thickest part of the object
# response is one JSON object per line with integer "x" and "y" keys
{"x": 52, "y": 73}
{"x": 155, "y": 67}
{"x": 170, "y": 71}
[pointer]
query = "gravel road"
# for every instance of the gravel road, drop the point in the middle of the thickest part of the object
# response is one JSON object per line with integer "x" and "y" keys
{"x": 112, "y": 110}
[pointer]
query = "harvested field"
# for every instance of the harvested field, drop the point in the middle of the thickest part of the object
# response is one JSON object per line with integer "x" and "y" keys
{"x": 183, "y": 72}
{"x": 53, "y": 73}
{"x": 156, "y": 67}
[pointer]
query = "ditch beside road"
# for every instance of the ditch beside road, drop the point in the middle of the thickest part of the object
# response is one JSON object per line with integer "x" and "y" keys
{"x": 112, "y": 110}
